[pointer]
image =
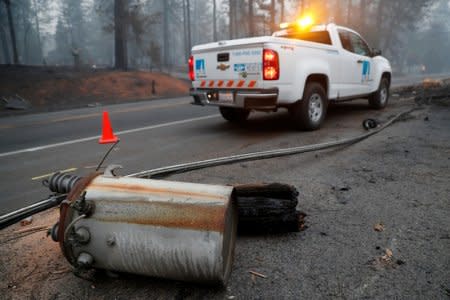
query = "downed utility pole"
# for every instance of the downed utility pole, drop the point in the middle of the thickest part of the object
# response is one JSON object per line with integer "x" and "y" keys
{"x": 268, "y": 208}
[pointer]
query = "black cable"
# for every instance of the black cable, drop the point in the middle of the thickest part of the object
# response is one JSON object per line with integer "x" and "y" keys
{"x": 106, "y": 155}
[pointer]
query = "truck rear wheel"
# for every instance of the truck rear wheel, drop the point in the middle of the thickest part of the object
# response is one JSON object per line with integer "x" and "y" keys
{"x": 233, "y": 114}
{"x": 380, "y": 98}
{"x": 309, "y": 113}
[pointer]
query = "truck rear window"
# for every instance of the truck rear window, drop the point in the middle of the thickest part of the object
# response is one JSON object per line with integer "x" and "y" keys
{"x": 322, "y": 37}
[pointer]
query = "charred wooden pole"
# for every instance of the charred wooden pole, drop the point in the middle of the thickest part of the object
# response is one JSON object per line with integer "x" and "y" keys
{"x": 261, "y": 208}
{"x": 267, "y": 208}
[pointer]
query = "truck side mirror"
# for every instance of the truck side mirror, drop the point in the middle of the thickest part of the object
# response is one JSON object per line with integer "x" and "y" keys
{"x": 376, "y": 52}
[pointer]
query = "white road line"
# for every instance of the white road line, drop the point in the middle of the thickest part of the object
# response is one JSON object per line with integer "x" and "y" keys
{"x": 91, "y": 138}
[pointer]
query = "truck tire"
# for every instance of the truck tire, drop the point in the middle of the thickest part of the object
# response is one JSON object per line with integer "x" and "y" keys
{"x": 380, "y": 98}
{"x": 309, "y": 113}
{"x": 233, "y": 114}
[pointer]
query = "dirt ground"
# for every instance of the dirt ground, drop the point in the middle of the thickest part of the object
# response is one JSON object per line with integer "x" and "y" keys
{"x": 55, "y": 88}
{"x": 378, "y": 227}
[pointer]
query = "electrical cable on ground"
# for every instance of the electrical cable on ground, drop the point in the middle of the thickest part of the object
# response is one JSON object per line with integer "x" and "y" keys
{"x": 186, "y": 167}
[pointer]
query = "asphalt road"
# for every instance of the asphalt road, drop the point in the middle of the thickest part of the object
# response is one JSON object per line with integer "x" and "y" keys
{"x": 398, "y": 178}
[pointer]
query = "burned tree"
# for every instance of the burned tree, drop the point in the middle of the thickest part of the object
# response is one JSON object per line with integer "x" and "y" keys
{"x": 120, "y": 34}
{"x": 12, "y": 31}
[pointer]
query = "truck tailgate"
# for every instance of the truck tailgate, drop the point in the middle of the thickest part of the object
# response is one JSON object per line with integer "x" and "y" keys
{"x": 237, "y": 66}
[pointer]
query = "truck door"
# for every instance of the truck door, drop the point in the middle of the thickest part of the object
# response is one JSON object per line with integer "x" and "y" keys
{"x": 356, "y": 69}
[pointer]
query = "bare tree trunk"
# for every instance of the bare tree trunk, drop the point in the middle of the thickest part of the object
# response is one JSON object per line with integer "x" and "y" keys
{"x": 272, "y": 16}
{"x": 194, "y": 23}
{"x": 25, "y": 44}
{"x": 214, "y": 21}
{"x": 120, "y": 34}
{"x": 251, "y": 21}
{"x": 379, "y": 20}
{"x": 5, "y": 48}
{"x": 38, "y": 29}
{"x": 362, "y": 14}
{"x": 166, "y": 32}
{"x": 281, "y": 10}
{"x": 12, "y": 31}
{"x": 380, "y": 12}
{"x": 349, "y": 12}
{"x": 232, "y": 17}
{"x": 186, "y": 50}
{"x": 188, "y": 15}
{"x": 338, "y": 12}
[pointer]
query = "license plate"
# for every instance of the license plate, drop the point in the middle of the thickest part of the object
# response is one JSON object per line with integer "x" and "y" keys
{"x": 226, "y": 97}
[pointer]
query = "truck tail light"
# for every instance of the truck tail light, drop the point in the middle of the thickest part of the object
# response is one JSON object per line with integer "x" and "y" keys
{"x": 271, "y": 65}
{"x": 191, "y": 68}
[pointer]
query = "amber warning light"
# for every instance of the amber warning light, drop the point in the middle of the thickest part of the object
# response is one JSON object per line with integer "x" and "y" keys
{"x": 303, "y": 23}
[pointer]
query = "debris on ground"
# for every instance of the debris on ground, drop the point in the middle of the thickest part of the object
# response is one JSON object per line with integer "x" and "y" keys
{"x": 446, "y": 290}
{"x": 379, "y": 227}
{"x": 432, "y": 89}
{"x": 432, "y": 83}
{"x": 61, "y": 271}
{"x": 388, "y": 255}
{"x": 386, "y": 261}
{"x": 15, "y": 102}
{"x": 26, "y": 221}
{"x": 424, "y": 93}
{"x": 400, "y": 262}
{"x": 370, "y": 124}
{"x": 257, "y": 274}
{"x": 18, "y": 234}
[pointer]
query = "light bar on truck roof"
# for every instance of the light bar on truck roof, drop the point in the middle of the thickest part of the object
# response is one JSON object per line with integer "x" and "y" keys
{"x": 304, "y": 23}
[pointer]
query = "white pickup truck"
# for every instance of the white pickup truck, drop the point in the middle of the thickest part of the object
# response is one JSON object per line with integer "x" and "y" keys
{"x": 301, "y": 70}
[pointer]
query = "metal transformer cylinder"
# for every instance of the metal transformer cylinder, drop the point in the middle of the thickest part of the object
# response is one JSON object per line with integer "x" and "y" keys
{"x": 158, "y": 228}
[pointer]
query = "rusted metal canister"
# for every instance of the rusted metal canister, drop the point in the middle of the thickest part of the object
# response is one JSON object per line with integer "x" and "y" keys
{"x": 174, "y": 230}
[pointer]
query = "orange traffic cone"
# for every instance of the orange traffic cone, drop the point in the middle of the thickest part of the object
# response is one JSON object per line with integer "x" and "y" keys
{"x": 108, "y": 136}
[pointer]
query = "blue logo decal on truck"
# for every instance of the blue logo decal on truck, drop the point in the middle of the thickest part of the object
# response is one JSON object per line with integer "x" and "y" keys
{"x": 249, "y": 68}
{"x": 365, "y": 71}
{"x": 200, "y": 67}
{"x": 239, "y": 67}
